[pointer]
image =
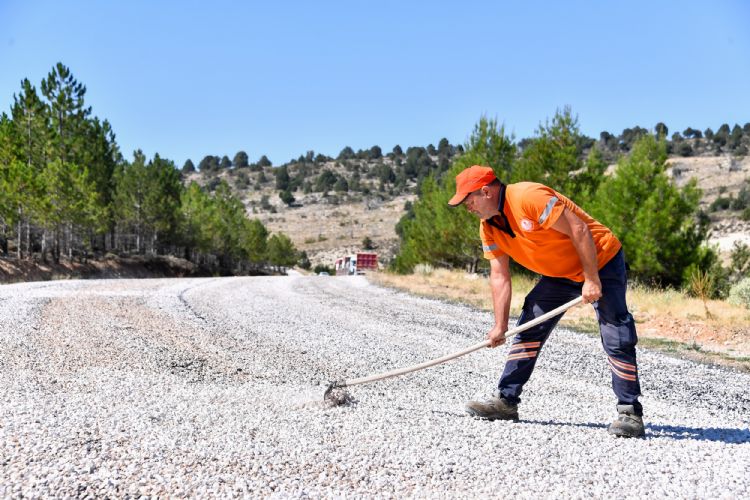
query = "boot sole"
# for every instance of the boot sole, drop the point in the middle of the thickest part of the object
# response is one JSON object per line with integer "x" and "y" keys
{"x": 624, "y": 434}
{"x": 475, "y": 414}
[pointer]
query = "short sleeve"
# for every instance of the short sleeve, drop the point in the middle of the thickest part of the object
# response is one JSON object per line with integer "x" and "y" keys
{"x": 541, "y": 206}
{"x": 490, "y": 248}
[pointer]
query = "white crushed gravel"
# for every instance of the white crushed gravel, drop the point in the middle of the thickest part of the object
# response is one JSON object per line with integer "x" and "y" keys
{"x": 213, "y": 388}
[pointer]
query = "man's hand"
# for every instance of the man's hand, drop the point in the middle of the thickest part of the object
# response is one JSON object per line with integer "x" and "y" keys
{"x": 592, "y": 290}
{"x": 496, "y": 336}
{"x": 576, "y": 229}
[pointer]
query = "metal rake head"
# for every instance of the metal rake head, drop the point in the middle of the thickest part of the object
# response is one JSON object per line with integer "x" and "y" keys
{"x": 336, "y": 395}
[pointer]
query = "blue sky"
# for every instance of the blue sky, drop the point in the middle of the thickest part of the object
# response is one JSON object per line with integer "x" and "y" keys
{"x": 186, "y": 79}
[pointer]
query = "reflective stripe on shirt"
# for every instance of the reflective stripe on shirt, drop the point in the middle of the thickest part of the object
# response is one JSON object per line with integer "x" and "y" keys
{"x": 548, "y": 209}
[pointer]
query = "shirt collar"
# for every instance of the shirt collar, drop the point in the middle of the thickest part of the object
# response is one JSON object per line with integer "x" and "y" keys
{"x": 501, "y": 221}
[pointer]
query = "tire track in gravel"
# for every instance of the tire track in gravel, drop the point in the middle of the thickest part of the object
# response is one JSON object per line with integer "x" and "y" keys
{"x": 269, "y": 313}
{"x": 110, "y": 326}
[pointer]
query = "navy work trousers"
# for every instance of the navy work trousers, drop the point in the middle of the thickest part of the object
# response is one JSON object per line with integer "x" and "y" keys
{"x": 616, "y": 326}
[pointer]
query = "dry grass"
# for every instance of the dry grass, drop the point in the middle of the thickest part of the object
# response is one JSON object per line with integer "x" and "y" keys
{"x": 454, "y": 286}
{"x": 646, "y": 304}
{"x": 665, "y": 319}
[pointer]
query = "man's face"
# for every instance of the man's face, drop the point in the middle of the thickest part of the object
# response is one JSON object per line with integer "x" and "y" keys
{"x": 481, "y": 204}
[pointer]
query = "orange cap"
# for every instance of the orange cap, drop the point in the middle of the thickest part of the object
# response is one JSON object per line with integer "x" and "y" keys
{"x": 470, "y": 180}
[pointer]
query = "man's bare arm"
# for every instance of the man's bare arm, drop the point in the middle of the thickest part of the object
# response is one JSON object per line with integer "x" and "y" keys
{"x": 571, "y": 225}
{"x": 500, "y": 285}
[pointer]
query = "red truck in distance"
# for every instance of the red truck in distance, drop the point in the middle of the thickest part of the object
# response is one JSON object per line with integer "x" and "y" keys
{"x": 356, "y": 263}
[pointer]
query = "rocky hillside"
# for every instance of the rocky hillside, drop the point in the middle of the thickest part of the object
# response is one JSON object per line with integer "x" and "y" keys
{"x": 336, "y": 221}
{"x": 333, "y": 221}
{"x": 721, "y": 178}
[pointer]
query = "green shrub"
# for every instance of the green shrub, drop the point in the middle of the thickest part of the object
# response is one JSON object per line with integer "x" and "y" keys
{"x": 740, "y": 293}
{"x": 320, "y": 268}
{"x": 743, "y": 199}
{"x": 685, "y": 149}
{"x": 304, "y": 260}
{"x": 264, "y": 203}
{"x": 740, "y": 259}
{"x": 721, "y": 203}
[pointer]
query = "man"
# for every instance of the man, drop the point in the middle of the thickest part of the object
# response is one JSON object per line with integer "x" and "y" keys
{"x": 547, "y": 233}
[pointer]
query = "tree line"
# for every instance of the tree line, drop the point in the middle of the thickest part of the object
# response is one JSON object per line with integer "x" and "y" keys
{"x": 67, "y": 191}
{"x": 662, "y": 228}
{"x": 371, "y": 171}
{"x": 350, "y": 174}
{"x": 689, "y": 142}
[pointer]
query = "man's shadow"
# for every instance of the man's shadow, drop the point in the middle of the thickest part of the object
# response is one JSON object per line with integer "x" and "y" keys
{"x": 679, "y": 432}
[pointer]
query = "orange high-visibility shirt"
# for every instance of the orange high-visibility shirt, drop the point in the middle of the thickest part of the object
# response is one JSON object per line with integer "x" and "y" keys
{"x": 524, "y": 232}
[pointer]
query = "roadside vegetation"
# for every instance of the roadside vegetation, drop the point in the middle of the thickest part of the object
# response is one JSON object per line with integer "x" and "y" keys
{"x": 668, "y": 320}
{"x": 681, "y": 285}
{"x": 661, "y": 226}
{"x": 66, "y": 192}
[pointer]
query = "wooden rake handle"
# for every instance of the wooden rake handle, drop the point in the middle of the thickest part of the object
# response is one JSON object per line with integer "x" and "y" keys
{"x": 421, "y": 366}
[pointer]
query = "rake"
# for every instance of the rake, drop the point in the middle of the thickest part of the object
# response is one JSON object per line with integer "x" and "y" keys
{"x": 340, "y": 384}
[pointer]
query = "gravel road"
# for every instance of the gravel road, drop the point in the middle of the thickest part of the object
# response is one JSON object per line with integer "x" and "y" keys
{"x": 213, "y": 387}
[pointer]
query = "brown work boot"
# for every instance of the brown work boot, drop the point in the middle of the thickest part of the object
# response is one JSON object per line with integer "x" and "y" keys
{"x": 493, "y": 407}
{"x": 628, "y": 424}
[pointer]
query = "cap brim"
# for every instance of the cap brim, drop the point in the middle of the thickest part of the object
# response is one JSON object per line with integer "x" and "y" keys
{"x": 457, "y": 199}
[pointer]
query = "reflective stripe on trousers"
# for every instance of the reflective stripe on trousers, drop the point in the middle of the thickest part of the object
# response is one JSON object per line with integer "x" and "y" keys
{"x": 616, "y": 326}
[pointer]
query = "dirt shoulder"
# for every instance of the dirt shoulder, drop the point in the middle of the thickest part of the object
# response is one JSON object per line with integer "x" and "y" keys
{"x": 14, "y": 270}
{"x": 715, "y": 332}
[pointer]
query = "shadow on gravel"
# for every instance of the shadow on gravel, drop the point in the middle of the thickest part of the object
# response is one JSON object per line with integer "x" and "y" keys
{"x": 564, "y": 424}
{"x": 716, "y": 434}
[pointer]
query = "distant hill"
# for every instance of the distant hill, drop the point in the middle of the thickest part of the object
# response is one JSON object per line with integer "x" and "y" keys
{"x": 363, "y": 198}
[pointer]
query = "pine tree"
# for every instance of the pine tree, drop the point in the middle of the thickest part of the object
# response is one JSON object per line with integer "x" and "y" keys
{"x": 65, "y": 97}
{"x": 282, "y": 178}
{"x": 162, "y": 201}
{"x": 254, "y": 241}
{"x": 68, "y": 143}
{"x": 281, "y": 251}
{"x": 147, "y": 201}
{"x": 18, "y": 192}
{"x": 131, "y": 191}
{"x": 656, "y": 222}
{"x": 101, "y": 155}
{"x": 555, "y": 158}
{"x": 188, "y": 167}
{"x": 70, "y": 203}
{"x": 196, "y": 212}
{"x": 264, "y": 161}
{"x": 432, "y": 231}
{"x": 209, "y": 163}
{"x": 30, "y": 121}
{"x": 346, "y": 154}
{"x": 240, "y": 160}
{"x": 228, "y": 222}
{"x": 30, "y": 134}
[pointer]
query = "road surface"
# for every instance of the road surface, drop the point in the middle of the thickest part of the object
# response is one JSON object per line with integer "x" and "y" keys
{"x": 213, "y": 387}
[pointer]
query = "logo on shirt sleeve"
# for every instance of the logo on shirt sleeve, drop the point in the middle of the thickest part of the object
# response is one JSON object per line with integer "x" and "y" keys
{"x": 526, "y": 224}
